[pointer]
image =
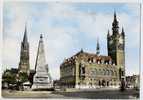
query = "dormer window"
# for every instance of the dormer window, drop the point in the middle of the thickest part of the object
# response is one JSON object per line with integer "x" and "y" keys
{"x": 98, "y": 62}
{"x": 102, "y": 61}
{"x": 94, "y": 61}
{"x": 110, "y": 62}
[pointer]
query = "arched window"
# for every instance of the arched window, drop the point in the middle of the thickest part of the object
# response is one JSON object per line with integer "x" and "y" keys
{"x": 81, "y": 69}
{"x": 110, "y": 62}
{"x": 107, "y": 72}
{"x": 104, "y": 72}
{"x": 112, "y": 73}
{"x": 102, "y": 61}
{"x": 94, "y": 60}
{"x": 98, "y": 62}
{"x": 95, "y": 71}
{"x": 88, "y": 59}
{"x": 99, "y": 72}
{"x": 115, "y": 73}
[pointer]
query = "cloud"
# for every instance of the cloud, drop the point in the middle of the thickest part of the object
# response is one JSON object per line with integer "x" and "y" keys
{"x": 66, "y": 30}
{"x": 0, "y": 34}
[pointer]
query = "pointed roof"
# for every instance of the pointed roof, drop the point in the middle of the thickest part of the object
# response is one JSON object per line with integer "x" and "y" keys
{"x": 115, "y": 21}
{"x": 115, "y": 18}
{"x": 25, "y": 40}
{"x": 123, "y": 33}
{"x": 97, "y": 47}
{"x": 41, "y": 36}
{"x": 108, "y": 33}
{"x": 81, "y": 51}
{"x": 115, "y": 25}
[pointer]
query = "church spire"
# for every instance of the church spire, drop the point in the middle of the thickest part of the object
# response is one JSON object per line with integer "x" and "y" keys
{"x": 24, "y": 55}
{"x": 97, "y": 48}
{"x": 115, "y": 26}
{"x": 25, "y": 40}
{"x": 81, "y": 50}
{"x": 115, "y": 19}
{"x": 123, "y": 33}
{"x": 108, "y": 35}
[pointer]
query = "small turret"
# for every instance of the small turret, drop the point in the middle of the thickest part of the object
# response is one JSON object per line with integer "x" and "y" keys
{"x": 123, "y": 33}
{"x": 97, "y": 48}
{"x": 81, "y": 51}
{"x": 115, "y": 26}
{"x": 41, "y": 36}
{"x": 108, "y": 35}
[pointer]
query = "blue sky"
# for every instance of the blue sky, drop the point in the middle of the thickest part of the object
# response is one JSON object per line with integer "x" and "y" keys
{"x": 68, "y": 27}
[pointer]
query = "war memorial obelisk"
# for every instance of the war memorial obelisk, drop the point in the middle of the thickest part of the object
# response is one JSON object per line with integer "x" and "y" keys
{"x": 42, "y": 78}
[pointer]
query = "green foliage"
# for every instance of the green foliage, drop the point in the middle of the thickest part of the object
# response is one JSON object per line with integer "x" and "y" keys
{"x": 23, "y": 77}
{"x": 9, "y": 77}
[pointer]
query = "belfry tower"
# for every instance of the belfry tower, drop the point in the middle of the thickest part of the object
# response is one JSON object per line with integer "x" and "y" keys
{"x": 116, "y": 45}
{"x": 24, "y": 55}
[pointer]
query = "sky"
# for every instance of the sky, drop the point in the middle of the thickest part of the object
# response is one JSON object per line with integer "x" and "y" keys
{"x": 66, "y": 28}
{"x": 0, "y": 35}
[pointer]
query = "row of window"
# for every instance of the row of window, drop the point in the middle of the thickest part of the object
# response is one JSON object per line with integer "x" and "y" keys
{"x": 103, "y": 72}
{"x": 67, "y": 71}
{"x": 94, "y": 72}
{"x": 100, "y": 61}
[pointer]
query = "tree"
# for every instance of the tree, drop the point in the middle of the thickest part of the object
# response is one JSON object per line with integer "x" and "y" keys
{"x": 23, "y": 77}
{"x": 9, "y": 77}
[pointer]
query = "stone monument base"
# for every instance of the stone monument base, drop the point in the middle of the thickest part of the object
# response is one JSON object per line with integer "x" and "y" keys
{"x": 39, "y": 86}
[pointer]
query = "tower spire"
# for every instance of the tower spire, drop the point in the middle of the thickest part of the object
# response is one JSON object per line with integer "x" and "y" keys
{"x": 123, "y": 33}
{"x": 115, "y": 19}
{"x": 115, "y": 26}
{"x": 24, "y": 54}
{"x": 97, "y": 47}
{"x": 81, "y": 50}
{"x": 41, "y": 36}
{"x": 108, "y": 33}
{"x": 25, "y": 40}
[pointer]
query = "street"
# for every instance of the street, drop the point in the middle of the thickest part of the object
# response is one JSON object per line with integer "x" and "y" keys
{"x": 87, "y": 94}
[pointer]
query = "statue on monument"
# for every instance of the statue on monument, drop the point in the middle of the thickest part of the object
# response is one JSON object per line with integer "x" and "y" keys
{"x": 42, "y": 78}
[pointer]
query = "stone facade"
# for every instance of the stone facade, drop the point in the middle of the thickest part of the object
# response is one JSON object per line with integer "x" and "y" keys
{"x": 89, "y": 70}
{"x": 24, "y": 65}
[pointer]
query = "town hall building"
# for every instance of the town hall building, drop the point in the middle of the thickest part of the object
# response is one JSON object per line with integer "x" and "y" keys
{"x": 92, "y": 70}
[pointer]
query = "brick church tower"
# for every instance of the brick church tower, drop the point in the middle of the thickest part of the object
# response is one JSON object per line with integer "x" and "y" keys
{"x": 116, "y": 46}
{"x": 24, "y": 55}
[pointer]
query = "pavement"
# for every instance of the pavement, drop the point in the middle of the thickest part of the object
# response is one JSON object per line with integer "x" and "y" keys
{"x": 76, "y": 94}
